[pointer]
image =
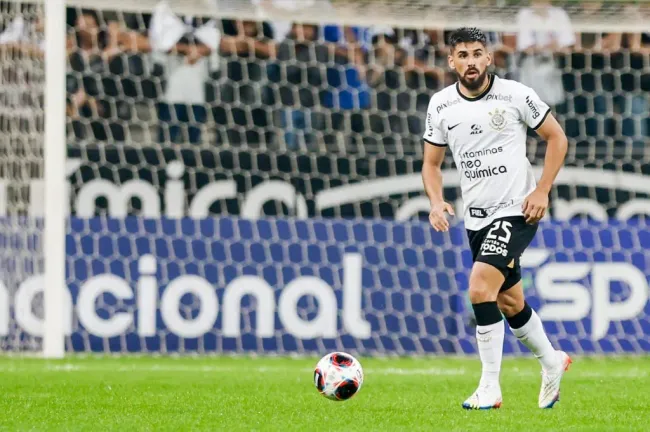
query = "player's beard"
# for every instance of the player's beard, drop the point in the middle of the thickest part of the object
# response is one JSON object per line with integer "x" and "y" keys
{"x": 473, "y": 84}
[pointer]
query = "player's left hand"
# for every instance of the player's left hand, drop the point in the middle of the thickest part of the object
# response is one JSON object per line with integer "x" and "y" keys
{"x": 535, "y": 206}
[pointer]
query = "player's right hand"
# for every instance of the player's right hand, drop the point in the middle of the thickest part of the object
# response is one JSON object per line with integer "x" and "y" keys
{"x": 437, "y": 216}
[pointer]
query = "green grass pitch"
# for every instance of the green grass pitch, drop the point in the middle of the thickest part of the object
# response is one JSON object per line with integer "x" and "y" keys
{"x": 273, "y": 394}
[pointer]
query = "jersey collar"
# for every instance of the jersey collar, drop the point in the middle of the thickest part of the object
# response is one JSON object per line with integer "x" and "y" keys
{"x": 479, "y": 97}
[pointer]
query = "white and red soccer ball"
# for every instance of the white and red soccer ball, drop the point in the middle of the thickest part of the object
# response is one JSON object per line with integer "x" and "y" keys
{"x": 338, "y": 376}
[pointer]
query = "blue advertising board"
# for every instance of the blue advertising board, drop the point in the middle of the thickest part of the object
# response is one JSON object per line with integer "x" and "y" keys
{"x": 307, "y": 286}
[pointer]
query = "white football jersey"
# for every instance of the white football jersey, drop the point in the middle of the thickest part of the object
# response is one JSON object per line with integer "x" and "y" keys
{"x": 487, "y": 135}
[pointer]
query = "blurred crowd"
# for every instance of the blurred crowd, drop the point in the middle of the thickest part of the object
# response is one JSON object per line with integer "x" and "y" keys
{"x": 187, "y": 79}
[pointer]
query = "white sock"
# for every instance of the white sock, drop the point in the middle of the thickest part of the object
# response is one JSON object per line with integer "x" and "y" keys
{"x": 490, "y": 348}
{"x": 532, "y": 335}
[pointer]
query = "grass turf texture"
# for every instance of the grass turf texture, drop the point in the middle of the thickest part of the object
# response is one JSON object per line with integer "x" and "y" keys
{"x": 214, "y": 393}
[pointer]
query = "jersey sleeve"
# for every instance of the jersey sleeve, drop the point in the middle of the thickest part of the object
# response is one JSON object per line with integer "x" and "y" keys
{"x": 533, "y": 110}
{"x": 433, "y": 133}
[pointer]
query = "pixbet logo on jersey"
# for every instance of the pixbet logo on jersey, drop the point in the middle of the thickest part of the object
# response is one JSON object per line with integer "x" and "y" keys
{"x": 447, "y": 104}
{"x": 499, "y": 97}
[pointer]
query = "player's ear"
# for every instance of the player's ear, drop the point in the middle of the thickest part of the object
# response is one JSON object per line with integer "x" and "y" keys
{"x": 450, "y": 61}
{"x": 489, "y": 58}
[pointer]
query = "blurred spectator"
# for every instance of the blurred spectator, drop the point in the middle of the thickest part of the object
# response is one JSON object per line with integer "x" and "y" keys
{"x": 322, "y": 83}
{"x": 298, "y": 77}
{"x": 312, "y": 73}
{"x": 389, "y": 52}
{"x": 245, "y": 47}
{"x": 247, "y": 39}
{"x": 596, "y": 42}
{"x": 537, "y": 67}
{"x": 625, "y": 114}
{"x": 282, "y": 28}
{"x": 25, "y": 36}
{"x": 346, "y": 80}
{"x": 185, "y": 47}
{"x": 95, "y": 102}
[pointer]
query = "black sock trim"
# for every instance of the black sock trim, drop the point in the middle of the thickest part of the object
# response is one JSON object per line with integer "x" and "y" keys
{"x": 487, "y": 313}
{"x": 521, "y": 318}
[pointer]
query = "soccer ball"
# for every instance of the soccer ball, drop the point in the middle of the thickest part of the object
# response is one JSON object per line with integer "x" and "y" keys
{"x": 338, "y": 376}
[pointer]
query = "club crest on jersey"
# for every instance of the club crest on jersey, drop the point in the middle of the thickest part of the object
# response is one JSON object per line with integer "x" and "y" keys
{"x": 498, "y": 119}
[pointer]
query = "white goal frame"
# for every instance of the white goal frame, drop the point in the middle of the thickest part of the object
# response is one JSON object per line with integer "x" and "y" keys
{"x": 54, "y": 178}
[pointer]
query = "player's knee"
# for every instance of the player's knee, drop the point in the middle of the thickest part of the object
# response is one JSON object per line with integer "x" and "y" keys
{"x": 480, "y": 293}
{"x": 484, "y": 284}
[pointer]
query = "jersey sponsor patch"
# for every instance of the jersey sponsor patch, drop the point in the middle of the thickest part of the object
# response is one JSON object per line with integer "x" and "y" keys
{"x": 534, "y": 111}
{"x": 481, "y": 213}
{"x": 477, "y": 212}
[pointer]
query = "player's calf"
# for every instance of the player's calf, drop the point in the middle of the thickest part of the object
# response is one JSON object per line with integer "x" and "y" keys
{"x": 485, "y": 281}
{"x": 528, "y": 328}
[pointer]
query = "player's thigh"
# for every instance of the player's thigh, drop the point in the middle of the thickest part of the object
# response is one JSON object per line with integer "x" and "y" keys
{"x": 511, "y": 301}
{"x": 513, "y": 276}
{"x": 485, "y": 281}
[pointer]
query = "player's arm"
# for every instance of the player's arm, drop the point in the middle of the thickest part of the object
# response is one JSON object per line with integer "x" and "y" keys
{"x": 434, "y": 155}
{"x": 536, "y": 204}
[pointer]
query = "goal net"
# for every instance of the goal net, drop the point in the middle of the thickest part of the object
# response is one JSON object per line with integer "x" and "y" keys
{"x": 22, "y": 81}
{"x": 239, "y": 183}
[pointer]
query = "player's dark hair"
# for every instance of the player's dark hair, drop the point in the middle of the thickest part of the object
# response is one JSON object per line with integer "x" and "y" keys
{"x": 466, "y": 35}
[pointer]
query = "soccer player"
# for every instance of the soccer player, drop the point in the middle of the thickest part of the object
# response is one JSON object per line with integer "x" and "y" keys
{"x": 484, "y": 119}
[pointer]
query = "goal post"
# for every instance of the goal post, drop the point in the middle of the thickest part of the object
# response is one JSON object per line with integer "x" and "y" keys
{"x": 55, "y": 178}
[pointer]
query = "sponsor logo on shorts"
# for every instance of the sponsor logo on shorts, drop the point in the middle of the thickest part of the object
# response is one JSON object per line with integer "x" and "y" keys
{"x": 491, "y": 247}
